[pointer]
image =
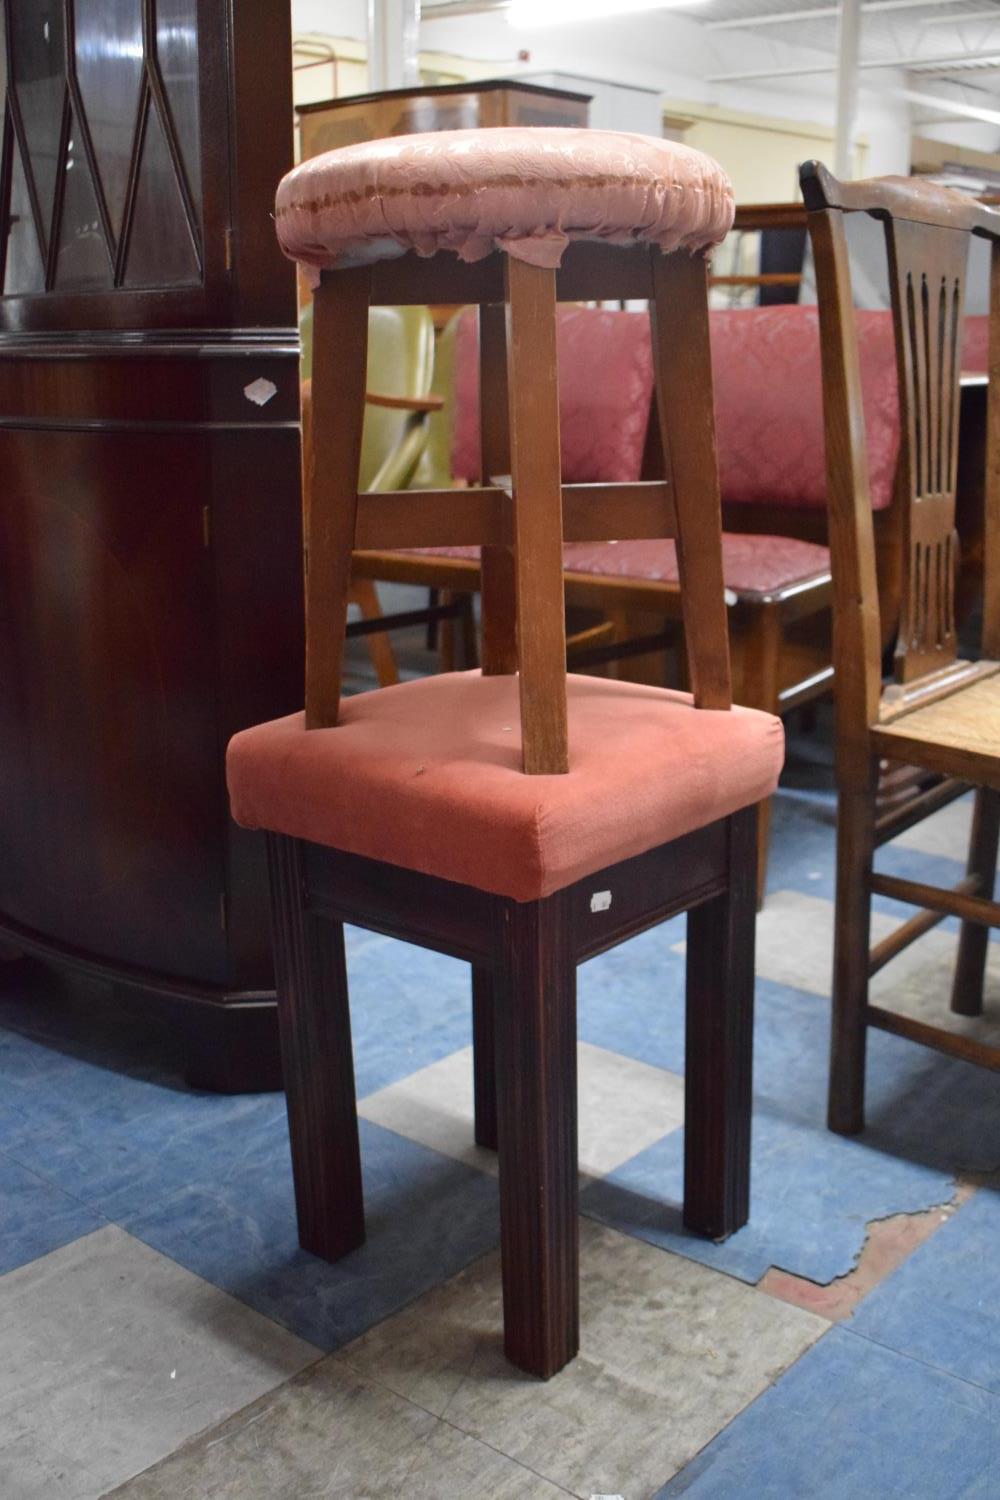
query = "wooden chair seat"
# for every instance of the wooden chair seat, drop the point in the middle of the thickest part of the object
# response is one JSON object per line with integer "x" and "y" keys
{"x": 957, "y": 734}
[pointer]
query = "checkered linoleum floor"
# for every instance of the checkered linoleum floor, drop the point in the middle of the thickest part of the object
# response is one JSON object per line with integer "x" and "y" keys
{"x": 163, "y": 1333}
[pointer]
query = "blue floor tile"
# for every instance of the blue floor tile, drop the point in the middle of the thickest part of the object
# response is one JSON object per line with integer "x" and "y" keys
{"x": 36, "y": 1217}
{"x": 427, "y": 1217}
{"x": 852, "y": 1421}
{"x": 409, "y": 1008}
{"x": 812, "y": 1195}
{"x": 943, "y": 1304}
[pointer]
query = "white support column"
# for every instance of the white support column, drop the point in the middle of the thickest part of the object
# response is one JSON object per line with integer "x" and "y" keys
{"x": 848, "y": 40}
{"x": 393, "y": 43}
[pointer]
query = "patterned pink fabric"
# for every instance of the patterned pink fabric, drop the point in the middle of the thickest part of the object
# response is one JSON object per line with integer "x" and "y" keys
{"x": 605, "y": 386}
{"x": 975, "y": 345}
{"x": 768, "y": 401}
{"x": 526, "y": 190}
{"x": 756, "y": 565}
{"x": 769, "y": 405}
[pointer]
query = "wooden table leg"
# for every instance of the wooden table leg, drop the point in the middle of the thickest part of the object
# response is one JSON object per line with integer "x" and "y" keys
{"x": 536, "y": 1109}
{"x": 719, "y": 1068}
{"x": 484, "y": 1058}
{"x": 315, "y": 1026}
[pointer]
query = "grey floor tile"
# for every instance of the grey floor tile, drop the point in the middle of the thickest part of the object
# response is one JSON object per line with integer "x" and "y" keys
{"x": 32, "y": 1469}
{"x": 331, "y": 1433}
{"x": 671, "y": 1352}
{"x": 945, "y": 833}
{"x": 624, "y": 1106}
{"x": 795, "y": 948}
{"x": 118, "y": 1355}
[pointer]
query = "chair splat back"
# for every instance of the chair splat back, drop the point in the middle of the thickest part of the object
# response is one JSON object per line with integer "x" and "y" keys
{"x": 927, "y": 231}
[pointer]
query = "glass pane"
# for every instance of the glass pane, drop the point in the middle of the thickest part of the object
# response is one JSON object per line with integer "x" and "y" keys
{"x": 177, "y": 51}
{"x": 160, "y": 251}
{"x": 109, "y": 70}
{"x": 83, "y": 262}
{"x": 39, "y": 58}
{"x": 24, "y": 271}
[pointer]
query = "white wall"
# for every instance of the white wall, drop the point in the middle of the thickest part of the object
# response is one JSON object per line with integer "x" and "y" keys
{"x": 667, "y": 51}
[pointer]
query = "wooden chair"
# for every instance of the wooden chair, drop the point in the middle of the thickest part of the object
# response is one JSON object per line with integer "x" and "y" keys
{"x": 420, "y": 810}
{"x": 940, "y": 714}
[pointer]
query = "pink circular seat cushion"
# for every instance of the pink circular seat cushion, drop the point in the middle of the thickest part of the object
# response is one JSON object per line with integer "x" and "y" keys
{"x": 526, "y": 190}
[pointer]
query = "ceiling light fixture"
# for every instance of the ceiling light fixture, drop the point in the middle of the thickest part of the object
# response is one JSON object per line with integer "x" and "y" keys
{"x": 532, "y": 13}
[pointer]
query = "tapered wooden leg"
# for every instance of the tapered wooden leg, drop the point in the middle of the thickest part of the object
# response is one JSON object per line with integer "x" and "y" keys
{"x": 759, "y": 687}
{"x": 536, "y": 1116}
{"x": 332, "y": 458}
{"x": 851, "y": 942}
{"x": 682, "y": 368}
{"x": 484, "y": 1058}
{"x": 533, "y": 402}
{"x": 498, "y": 588}
{"x": 719, "y": 1067}
{"x": 970, "y": 968}
{"x": 315, "y": 1027}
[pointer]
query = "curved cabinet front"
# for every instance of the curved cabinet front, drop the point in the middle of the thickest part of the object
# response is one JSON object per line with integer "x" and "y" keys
{"x": 150, "y": 605}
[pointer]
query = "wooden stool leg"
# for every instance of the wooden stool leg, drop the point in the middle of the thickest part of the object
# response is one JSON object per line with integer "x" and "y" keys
{"x": 498, "y": 588}
{"x": 533, "y": 399}
{"x": 973, "y": 945}
{"x": 484, "y": 1076}
{"x": 315, "y": 1026}
{"x": 340, "y": 355}
{"x": 760, "y": 653}
{"x": 682, "y": 367}
{"x": 719, "y": 1067}
{"x": 851, "y": 942}
{"x": 536, "y": 1115}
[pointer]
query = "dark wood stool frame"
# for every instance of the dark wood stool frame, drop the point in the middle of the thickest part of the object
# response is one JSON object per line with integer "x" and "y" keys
{"x": 524, "y": 954}
{"x": 927, "y": 239}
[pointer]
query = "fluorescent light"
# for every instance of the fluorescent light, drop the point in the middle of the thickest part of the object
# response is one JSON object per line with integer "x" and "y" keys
{"x": 529, "y": 13}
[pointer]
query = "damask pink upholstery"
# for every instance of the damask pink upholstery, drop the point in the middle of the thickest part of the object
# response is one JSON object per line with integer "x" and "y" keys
{"x": 605, "y": 385}
{"x": 752, "y": 566}
{"x": 528, "y": 191}
{"x": 975, "y": 345}
{"x": 769, "y": 405}
{"x": 768, "y": 401}
{"x": 428, "y": 776}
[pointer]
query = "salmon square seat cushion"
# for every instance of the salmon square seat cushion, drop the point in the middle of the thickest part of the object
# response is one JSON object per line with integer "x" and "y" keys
{"x": 427, "y": 775}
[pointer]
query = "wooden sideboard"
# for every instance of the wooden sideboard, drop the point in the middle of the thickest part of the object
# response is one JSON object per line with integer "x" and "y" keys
{"x": 452, "y": 106}
{"x": 150, "y": 535}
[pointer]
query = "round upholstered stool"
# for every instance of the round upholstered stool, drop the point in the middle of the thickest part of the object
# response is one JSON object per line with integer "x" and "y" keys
{"x": 528, "y": 191}
{"x": 515, "y": 818}
{"x": 509, "y": 219}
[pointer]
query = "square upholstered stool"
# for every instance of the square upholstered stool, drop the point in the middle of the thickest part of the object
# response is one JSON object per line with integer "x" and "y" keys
{"x": 515, "y": 817}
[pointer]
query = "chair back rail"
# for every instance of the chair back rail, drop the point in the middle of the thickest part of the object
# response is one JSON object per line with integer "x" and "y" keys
{"x": 927, "y": 239}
